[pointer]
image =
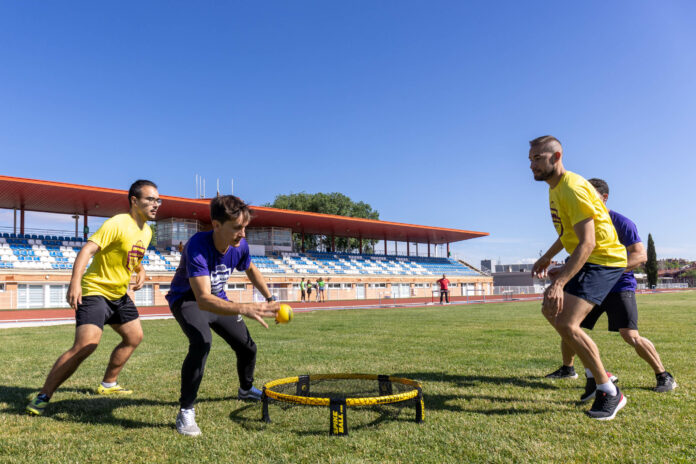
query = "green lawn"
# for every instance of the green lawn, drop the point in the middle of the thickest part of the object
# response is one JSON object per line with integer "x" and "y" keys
{"x": 481, "y": 367}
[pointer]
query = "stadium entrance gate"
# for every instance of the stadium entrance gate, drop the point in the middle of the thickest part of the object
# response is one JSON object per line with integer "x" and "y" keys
{"x": 400, "y": 290}
{"x": 360, "y": 291}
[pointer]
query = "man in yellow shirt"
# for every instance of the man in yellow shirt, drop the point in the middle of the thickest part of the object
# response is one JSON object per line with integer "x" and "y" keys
{"x": 597, "y": 261}
{"x": 99, "y": 296}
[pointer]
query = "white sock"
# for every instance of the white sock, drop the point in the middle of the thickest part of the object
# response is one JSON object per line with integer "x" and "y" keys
{"x": 109, "y": 384}
{"x": 588, "y": 374}
{"x": 608, "y": 388}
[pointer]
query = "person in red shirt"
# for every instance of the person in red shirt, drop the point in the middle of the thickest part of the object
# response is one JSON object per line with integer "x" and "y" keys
{"x": 444, "y": 288}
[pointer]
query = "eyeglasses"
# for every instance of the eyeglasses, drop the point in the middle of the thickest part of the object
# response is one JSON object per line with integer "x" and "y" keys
{"x": 153, "y": 200}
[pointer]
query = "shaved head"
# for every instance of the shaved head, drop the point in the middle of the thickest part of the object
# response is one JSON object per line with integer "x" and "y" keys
{"x": 546, "y": 144}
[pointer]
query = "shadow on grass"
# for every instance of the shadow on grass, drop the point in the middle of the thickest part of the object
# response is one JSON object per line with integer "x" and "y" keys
{"x": 474, "y": 380}
{"x": 385, "y": 413}
{"x": 90, "y": 410}
{"x": 447, "y": 402}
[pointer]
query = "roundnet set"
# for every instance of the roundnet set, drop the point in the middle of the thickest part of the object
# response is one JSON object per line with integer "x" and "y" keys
{"x": 338, "y": 404}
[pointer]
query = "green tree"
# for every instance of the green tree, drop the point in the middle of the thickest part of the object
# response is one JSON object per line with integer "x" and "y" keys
{"x": 651, "y": 264}
{"x": 327, "y": 203}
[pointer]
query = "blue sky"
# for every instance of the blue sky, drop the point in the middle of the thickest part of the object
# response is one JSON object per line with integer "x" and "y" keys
{"x": 422, "y": 109}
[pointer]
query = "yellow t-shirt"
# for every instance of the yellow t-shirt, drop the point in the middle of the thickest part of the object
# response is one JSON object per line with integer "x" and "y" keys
{"x": 123, "y": 246}
{"x": 573, "y": 200}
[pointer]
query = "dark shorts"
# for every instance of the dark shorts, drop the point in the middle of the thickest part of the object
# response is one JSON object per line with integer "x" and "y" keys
{"x": 621, "y": 309}
{"x": 593, "y": 282}
{"x": 97, "y": 310}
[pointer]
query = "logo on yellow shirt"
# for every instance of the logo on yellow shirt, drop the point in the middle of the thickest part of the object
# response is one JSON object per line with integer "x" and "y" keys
{"x": 557, "y": 221}
{"x": 136, "y": 254}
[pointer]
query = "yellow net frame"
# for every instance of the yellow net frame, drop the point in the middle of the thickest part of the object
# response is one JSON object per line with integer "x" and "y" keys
{"x": 366, "y": 401}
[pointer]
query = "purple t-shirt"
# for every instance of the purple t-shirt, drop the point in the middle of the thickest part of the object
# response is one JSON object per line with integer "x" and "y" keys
{"x": 200, "y": 257}
{"x": 628, "y": 235}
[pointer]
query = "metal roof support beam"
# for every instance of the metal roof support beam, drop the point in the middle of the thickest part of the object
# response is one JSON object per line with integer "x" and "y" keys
{"x": 361, "y": 246}
{"x": 385, "y": 245}
{"x": 428, "y": 248}
{"x": 302, "y": 248}
{"x": 21, "y": 220}
{"x": 408, "y": 248}
{"x": 448, "y": 250}
{"x": 85, "y": 229}
{"x": 333, "y": 244}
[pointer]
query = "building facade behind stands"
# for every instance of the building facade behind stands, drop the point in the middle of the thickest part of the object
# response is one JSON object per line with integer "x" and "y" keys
{"x": 35, "y": 271}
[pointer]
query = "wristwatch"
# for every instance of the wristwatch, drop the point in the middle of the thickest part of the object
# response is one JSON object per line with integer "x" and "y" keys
{"x": 271, "y": 298}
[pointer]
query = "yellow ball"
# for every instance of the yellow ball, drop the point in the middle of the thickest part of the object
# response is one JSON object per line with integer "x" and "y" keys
{"x": 284, "y": 314}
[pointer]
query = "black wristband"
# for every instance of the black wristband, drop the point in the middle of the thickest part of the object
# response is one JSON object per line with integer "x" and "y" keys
{"x": 270, "y": 298}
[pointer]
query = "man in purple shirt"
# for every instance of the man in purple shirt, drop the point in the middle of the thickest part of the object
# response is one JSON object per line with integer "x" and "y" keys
{"x": 621, "y": 308}
{"x": 199, "y": 303}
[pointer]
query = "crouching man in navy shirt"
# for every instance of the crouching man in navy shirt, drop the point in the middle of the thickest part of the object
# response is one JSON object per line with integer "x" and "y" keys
{"x": 198, "y": 302}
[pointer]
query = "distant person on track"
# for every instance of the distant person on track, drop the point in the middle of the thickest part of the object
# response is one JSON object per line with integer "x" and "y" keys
{"x": 321, "y": 289}
{"x": 597, "y": 261}
{"x": 309, "y": 290}
{"x": 199, "y": 303}
{"x": 621, "y": 308}
{"x": 99, "y": 296}
{"x": 444, "y": 288}
{"x": 303, "y": 290}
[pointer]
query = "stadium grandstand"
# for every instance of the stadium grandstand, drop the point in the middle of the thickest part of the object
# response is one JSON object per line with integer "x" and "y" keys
{"x": 35, "y": 268}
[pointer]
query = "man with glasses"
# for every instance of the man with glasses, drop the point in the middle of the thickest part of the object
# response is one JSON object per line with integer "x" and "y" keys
{"x": 99, "y": 296}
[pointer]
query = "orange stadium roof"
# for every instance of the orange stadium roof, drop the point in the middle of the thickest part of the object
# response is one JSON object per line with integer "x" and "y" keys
{"x": 59, "y": 197}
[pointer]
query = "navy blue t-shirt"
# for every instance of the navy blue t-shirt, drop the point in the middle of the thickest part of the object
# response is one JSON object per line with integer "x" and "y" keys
{"x": 628, "y": 235}
{"x": 200, "y": 257}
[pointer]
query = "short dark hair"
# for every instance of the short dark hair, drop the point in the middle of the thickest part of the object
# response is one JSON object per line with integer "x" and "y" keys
{"x": 600, "y": 185}
{"x": 544, "y": 142}
{"x": 224, "y": 208}
{"x": 137, "y": 186}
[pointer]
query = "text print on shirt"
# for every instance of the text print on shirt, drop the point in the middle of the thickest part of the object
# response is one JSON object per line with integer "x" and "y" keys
{"x": 218, "y": 278}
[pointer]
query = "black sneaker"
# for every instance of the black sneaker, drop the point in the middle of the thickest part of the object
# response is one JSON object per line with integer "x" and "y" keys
{"x": 563, "y": 372}
{"x": 606, "y": 406}
{"x": 591, "y": 387}
{"x": 665, "y": 382}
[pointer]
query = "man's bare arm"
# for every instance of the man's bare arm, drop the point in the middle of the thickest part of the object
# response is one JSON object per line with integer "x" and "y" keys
{"x": 214, "y": 304}
{"x": 637, "y": 256}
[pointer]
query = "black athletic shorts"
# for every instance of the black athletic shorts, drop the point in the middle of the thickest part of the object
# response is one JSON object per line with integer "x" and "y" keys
{"x": 621, "y": 309}
{"x": 593, "y": 282}
{"x": 97, "y": 310}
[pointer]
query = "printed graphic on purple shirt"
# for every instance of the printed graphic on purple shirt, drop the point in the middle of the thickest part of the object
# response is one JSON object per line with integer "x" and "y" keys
{"x": 200, "y": 257}
{"x": 628, "y": 235}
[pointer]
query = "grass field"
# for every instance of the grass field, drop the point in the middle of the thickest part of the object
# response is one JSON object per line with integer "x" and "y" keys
{"x": 481, "y": 367}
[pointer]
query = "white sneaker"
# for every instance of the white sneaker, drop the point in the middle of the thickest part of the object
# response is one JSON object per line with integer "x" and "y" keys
{"x": 186, "y": 423}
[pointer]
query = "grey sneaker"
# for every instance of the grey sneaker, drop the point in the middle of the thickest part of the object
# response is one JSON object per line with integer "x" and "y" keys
{"x": 253, "y": 394}
{"x": 186, "y": 423}
{"x": 606, "y": 406}
{"x": 563, "y": 372}
{"x": 665, "y": 382}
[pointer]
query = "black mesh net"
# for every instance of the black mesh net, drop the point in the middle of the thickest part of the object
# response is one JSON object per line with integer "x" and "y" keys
{"x": 370, "y": 398}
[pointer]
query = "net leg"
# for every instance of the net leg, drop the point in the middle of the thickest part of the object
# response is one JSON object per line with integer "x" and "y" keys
{"x": 420, "y": 407}
{"x": 338, "y": 423}
{"x": 264, "y": 408}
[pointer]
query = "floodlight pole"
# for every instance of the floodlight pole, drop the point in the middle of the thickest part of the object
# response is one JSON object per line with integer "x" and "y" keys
{"x": 76, "y": 217}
